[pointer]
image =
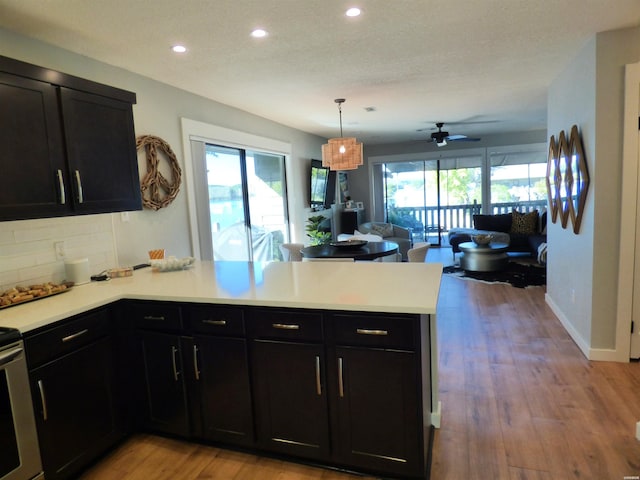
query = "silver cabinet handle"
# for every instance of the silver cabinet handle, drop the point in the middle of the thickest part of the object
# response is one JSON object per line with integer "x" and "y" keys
{"x": 318, "y": 383}
{"x": 286, "y": 326}
{"x": 43, "y": 401}
{"x": 174, "y": 363}
{"x": 73, "y": 336}
{"x": 220, "y": 323}
{"x": 63, "y": 197}
{"x": 79, "y": 185}
{"x": 152, "y": 317}
{"x": 340, "y": 378}
{"x": 196, "y": 369}
{"x": 364, "y": 331}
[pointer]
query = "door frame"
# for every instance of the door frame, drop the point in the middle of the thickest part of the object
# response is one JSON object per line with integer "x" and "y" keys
{"x": 629, "y": 260}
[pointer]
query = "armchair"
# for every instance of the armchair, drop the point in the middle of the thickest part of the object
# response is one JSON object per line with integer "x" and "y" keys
{"x": 390, "y": 233}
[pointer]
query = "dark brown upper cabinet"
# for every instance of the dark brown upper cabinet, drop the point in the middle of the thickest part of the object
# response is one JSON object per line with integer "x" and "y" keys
{"x": 67, "y": 145}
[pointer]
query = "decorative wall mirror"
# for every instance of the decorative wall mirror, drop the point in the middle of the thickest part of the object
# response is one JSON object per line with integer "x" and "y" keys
{"x": 552, "y": 180}
{"x": 580, "y": 179}
{"x": 563, "y": 198}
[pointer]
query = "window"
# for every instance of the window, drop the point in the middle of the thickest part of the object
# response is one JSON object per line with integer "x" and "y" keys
{"x": 247, "y": 203}
{"x": 518, "y": 180}
{"x": 434, "y": 195}
{"x": 238, "y": 208}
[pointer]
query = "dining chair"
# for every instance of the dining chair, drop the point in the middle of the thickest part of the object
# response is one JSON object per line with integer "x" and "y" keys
{"x": 419, "y": 252}
{"x": 291, "y": 252}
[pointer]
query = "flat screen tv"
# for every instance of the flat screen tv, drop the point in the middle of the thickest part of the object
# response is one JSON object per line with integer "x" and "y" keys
{"x": 322, "y": 185}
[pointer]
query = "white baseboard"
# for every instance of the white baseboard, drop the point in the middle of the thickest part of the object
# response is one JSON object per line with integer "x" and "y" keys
{"x": 582, "y": 344}
{"x": 436, "y": 417}
{"x": 598, "y": 354}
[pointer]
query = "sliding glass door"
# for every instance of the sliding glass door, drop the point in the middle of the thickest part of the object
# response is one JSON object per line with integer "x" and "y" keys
{"x": 432, "y": 196}
{"x": 245, "y": 214}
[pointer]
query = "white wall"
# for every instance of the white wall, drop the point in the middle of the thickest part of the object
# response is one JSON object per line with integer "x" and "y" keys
{"x": 157, "y": 112}
{"x": 589, "y": 93}
{"x": 571, "y": 101}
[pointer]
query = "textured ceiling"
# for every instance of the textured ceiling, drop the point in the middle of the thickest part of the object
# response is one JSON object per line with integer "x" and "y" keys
{"x": 481, "y": 66}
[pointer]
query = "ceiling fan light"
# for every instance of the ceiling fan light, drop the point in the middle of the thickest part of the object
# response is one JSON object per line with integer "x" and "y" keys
{"x": 442, "y": 142}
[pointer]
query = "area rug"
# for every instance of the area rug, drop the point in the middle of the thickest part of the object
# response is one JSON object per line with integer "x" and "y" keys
{"x": 517, "y": 274}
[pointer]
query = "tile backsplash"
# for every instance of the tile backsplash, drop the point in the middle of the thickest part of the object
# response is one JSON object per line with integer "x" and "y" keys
{"x": 28, "y": 256}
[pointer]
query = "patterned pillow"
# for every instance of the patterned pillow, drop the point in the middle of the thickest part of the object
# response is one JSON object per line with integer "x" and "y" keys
{"x": 524, "y": 223}
{"x": 382, "y": 229}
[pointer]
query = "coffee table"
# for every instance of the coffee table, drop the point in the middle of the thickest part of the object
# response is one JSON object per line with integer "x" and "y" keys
{"x": 483, "y": 258}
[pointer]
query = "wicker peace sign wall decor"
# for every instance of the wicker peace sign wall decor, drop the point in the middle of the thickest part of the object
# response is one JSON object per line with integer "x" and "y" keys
{"x": 157, "y": 191}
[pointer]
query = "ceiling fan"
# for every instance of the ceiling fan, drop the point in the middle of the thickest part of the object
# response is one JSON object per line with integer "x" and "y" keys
{"x": 441, "y": 138}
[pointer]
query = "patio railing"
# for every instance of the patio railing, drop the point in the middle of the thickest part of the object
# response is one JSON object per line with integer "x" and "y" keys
{"x": 428, "y": 225}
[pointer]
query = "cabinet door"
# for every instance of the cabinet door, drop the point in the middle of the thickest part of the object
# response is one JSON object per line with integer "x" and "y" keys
{"x": 31, "y": 149}
{"x": 101, "y": 152}
{"x": 223, "y": 371}
{"x": 166, "y": 400}
{"x": 290, "y": 398}
{"x": 74, "y": 405}
{"x": 378, "y": 411}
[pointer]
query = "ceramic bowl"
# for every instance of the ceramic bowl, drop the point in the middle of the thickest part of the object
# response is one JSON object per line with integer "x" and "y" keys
{"x": 481, "y": 239}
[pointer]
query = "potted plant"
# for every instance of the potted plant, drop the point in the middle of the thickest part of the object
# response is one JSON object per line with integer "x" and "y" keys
{"x": 317, "y": 236}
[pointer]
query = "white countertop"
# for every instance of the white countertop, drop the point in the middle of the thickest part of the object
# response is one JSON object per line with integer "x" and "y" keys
{"x": 361, "y": 286}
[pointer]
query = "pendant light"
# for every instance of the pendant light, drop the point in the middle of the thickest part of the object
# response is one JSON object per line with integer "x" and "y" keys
{"x": 344, "y": 153}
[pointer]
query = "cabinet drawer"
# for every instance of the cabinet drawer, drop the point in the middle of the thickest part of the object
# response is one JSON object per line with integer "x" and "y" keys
{"x": 215, "y": 319}
{"x": 387, "y": 331}
{"x": 156, "y": 315}
{"x": 66, "y": 336}
{"x": 286, "y": 325}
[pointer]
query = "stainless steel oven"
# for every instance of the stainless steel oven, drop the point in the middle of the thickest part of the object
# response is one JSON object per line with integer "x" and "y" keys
{"x": 19, "y": 451}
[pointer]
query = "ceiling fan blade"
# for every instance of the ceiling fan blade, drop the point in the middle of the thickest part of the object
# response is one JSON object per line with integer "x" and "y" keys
{"x": 461, "y": 138}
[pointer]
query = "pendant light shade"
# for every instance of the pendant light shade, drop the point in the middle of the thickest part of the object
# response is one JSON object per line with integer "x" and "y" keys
{"x": 344, "y": 153}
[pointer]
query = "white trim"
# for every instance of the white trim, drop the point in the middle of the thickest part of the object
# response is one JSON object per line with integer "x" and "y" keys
{"x": 195, "y": 130}
{"x": 598, "y": 354}
{"x": 436, "y": 416}
{"x": 628, "y": 213}
{"x": 582, "y": 344}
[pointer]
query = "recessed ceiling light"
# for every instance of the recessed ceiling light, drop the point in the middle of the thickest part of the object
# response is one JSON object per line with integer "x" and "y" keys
{"x": 353, "y": 12}
{"x": 259, "y": 33}
{"x": 179, "y": 48}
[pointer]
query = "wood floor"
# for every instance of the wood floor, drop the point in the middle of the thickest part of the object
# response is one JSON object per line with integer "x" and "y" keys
{"x": 519, "y": 399}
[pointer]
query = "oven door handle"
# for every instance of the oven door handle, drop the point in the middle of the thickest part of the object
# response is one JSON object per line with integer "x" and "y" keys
{"x": 9, "y": 355}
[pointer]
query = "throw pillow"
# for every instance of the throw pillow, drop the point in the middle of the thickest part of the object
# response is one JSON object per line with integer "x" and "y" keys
{"x": 493, "y": 223}
{"x": 524, "y": 223}
{"x": 382, "y": 229}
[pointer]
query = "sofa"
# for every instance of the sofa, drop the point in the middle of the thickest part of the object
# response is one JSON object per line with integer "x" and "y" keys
{"x": 523, "y": 232}
{"x": 389, "y": 233}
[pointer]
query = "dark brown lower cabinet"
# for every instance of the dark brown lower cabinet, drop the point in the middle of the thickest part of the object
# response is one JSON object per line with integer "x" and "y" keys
{"x": 196, "y": 377}
{"x": 166, "y": 408}
{"x": 347, "y": 389}
{"x": 292, "y": 414}
{"x": 377, "y": 411}
{"x": 222, "y": 372}
{"x": 74, "y": 404}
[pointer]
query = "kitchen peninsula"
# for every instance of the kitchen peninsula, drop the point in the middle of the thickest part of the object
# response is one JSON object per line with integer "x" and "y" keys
{"x": 333, "y": 363}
